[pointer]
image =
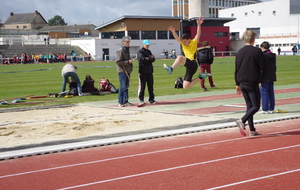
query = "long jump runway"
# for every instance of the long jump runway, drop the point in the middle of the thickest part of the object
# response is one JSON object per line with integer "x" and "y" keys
{"x": 220, "y": 159}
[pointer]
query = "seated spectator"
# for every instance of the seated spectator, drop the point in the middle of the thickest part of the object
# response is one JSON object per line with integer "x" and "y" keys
{"x": 88, "y": 86}
{"x": 15, "y": 59}
{"x": 5, "y": 61}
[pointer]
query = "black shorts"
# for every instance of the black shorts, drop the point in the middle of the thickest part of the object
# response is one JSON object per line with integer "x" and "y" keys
{"x": 191, "y": 68}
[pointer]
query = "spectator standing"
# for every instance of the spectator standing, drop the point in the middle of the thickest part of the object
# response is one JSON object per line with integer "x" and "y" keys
{"x": 24, "y": 58}
{"x": 173, "y": 53}
{"x": 205, "y": 58}
{"x": 267, "y": 81}
{"x": 278, "y": 50}
{"x": 167, "y": 54}
{"x": 124, "y": 68}
{"x": 146, "y": 59}
{"x": 74, "y": 56}
{"x": 48, "y": 40}
{"x": 15, "y": 59}
{"x": 294, "y": 49}
{"x": 86, "y": 55}
{"x": 249, "y": 64}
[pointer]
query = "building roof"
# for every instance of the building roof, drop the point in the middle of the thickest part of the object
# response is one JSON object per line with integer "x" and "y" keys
{"x": 66, "y": 28}
{"x": 22, "y": 18}
{"x": 136, "y": 16}
{"x": 208, "y": 21}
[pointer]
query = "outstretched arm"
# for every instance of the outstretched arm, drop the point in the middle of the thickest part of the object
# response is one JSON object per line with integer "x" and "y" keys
{"x": 172, "y": 29}
{"x": 199, "y": 22}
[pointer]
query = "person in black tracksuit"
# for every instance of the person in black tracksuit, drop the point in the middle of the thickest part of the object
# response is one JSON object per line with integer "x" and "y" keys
{"x": 145, "y": 59}
{"x": 249, "y": 65}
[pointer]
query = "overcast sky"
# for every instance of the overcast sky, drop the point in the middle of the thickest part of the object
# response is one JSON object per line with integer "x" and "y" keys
{"x": 94, "y": 12}
{"x": 84, "y": 11}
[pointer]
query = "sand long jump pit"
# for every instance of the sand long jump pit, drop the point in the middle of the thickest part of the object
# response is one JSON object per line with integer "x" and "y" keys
{"x": 81, "y": 121}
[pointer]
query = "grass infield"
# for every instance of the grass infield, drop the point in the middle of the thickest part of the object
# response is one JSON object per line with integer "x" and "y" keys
{"x": 41, "y": 79}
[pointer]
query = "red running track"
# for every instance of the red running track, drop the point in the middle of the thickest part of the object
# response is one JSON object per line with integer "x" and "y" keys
{"x": 220, "y": 159}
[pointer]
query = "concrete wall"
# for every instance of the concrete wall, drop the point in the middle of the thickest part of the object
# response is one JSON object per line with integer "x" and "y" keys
{"x": 276, "y": 24}
{"x": 198, "y": 8}
{"x": 269, "y": 23}
{"x": 96, "y": 47}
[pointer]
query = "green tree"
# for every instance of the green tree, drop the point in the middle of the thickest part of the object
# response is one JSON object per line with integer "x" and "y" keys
{"x": 56, "y": 20}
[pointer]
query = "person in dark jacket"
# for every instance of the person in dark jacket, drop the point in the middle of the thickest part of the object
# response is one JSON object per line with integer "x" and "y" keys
{"x": 146, "y": 59}
{"x": 205, "y": 58}
{"x": 89, "y": 86}
{"x": 294, "y": 49}
{"x": 249, "y": 64}
{"x": 124, "y": 68}
{"x": 267, "y": 81}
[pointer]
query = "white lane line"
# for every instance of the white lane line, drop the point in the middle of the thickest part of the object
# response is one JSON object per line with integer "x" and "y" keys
{"x": 121, "y": 157}
{"x": 254, "y": 179}
{"x": 179, "y": 167}
{"x": 134, "y": 155}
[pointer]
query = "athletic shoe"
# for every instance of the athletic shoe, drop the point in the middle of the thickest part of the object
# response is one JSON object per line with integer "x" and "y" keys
{"x": 81, "y": 94}
{"x": 272, "y": 111}
{"x": 241, "y": 126}
{"x": 141, "y": 103}
{"x": 204, "y": 89}
{"x": 254, "y": 133}
{"x": 204, "y": 75}
{"x": 128, "y": 104}
{"x": 168, "y": 69}
{"x": 264, "y": 112}
{"x": 213, "y": 86}
{"x": 153, "y": 102}
{"x": 121, "y": 105}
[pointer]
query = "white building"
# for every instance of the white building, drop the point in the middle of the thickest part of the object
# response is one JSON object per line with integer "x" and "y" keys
{"x": 275, "y": 21}
{"x": 206, "y": 8}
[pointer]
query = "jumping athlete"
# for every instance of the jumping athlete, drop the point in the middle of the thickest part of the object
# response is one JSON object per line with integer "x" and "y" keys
{"x": 189, "y": 47}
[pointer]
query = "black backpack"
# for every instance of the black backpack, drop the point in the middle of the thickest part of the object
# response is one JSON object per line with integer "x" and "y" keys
{"x": 73, "y": 89}
{"x": 179, "y": 82}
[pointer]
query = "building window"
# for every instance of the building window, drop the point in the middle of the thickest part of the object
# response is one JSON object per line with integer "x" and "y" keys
{"x": 148, "y": 35}
{"x": 220, "y": 34}
{"x": 256, "y": 30}
{"x": 162, "y": 35}
{"x": 118, "y": 35}
{"x": 134, "y": 35}
{"x": 112, "y": 35}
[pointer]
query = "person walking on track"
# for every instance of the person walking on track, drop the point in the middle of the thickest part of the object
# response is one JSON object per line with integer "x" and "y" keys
{"x": 249, "y": 64}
